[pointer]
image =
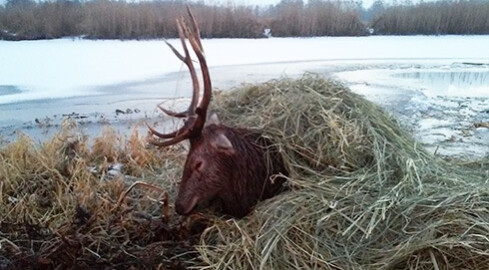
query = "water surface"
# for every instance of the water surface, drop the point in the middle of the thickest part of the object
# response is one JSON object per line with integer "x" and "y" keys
{"x": 460, "y": 83}
{"x": 442, "y": 106}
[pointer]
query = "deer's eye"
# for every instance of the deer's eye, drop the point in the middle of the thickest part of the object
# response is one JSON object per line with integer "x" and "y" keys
{"x": 198, "y": 165}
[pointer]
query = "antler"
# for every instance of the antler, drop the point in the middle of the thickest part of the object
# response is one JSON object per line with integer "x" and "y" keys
{"x": 195, "y": 114}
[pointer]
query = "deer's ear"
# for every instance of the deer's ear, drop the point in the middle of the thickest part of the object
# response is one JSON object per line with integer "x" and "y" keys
{"x": 221, "y": 143}
{"x": 213, "y": 120}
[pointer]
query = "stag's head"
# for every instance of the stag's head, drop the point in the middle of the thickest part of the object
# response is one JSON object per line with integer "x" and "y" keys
{"x": 209, "y": 145}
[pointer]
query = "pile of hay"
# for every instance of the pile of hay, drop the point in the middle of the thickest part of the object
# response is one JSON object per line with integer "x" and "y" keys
{"x": 365, "y": 195}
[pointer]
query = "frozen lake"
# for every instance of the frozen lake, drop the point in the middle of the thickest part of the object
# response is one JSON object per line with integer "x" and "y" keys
{"x": 437, "y": 86}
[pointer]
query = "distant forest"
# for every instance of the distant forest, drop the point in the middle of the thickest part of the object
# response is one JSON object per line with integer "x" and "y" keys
{"x": 106, "y": 19}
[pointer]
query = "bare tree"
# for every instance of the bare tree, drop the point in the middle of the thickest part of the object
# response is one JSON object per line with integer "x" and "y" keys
{"x": 444, "y": 17}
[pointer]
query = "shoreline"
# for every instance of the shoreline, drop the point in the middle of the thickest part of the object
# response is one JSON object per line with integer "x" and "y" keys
{"x": 126, "y": 106}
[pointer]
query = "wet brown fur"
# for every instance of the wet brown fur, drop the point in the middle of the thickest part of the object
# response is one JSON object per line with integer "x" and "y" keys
{"x": 236, "y": 179}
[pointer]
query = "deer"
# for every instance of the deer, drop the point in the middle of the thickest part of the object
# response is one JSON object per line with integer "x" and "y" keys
{"x": 233, "y": 168}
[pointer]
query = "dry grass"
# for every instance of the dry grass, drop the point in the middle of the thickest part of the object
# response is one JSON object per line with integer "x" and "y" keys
{"x": 58, "y": 205}
{"x": 364, "y": 196}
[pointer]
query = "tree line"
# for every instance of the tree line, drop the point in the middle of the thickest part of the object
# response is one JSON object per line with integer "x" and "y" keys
{"x": 434, "y": 18}
{"x": 109, "y": 19}
{"x": 27, "y": 19}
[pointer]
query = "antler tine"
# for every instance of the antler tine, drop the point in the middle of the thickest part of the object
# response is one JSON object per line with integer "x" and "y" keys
{"x": 179, "y": 138}
{"x": 188, "y": 62}
{"x": 196, "y": 113}
{"x": 194, "y": 39}
{"x": 171, "y": 113}
{"x": 195, "y": 28}
{"x": 152, "y": 131}
{"x": 175, "y": 137}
